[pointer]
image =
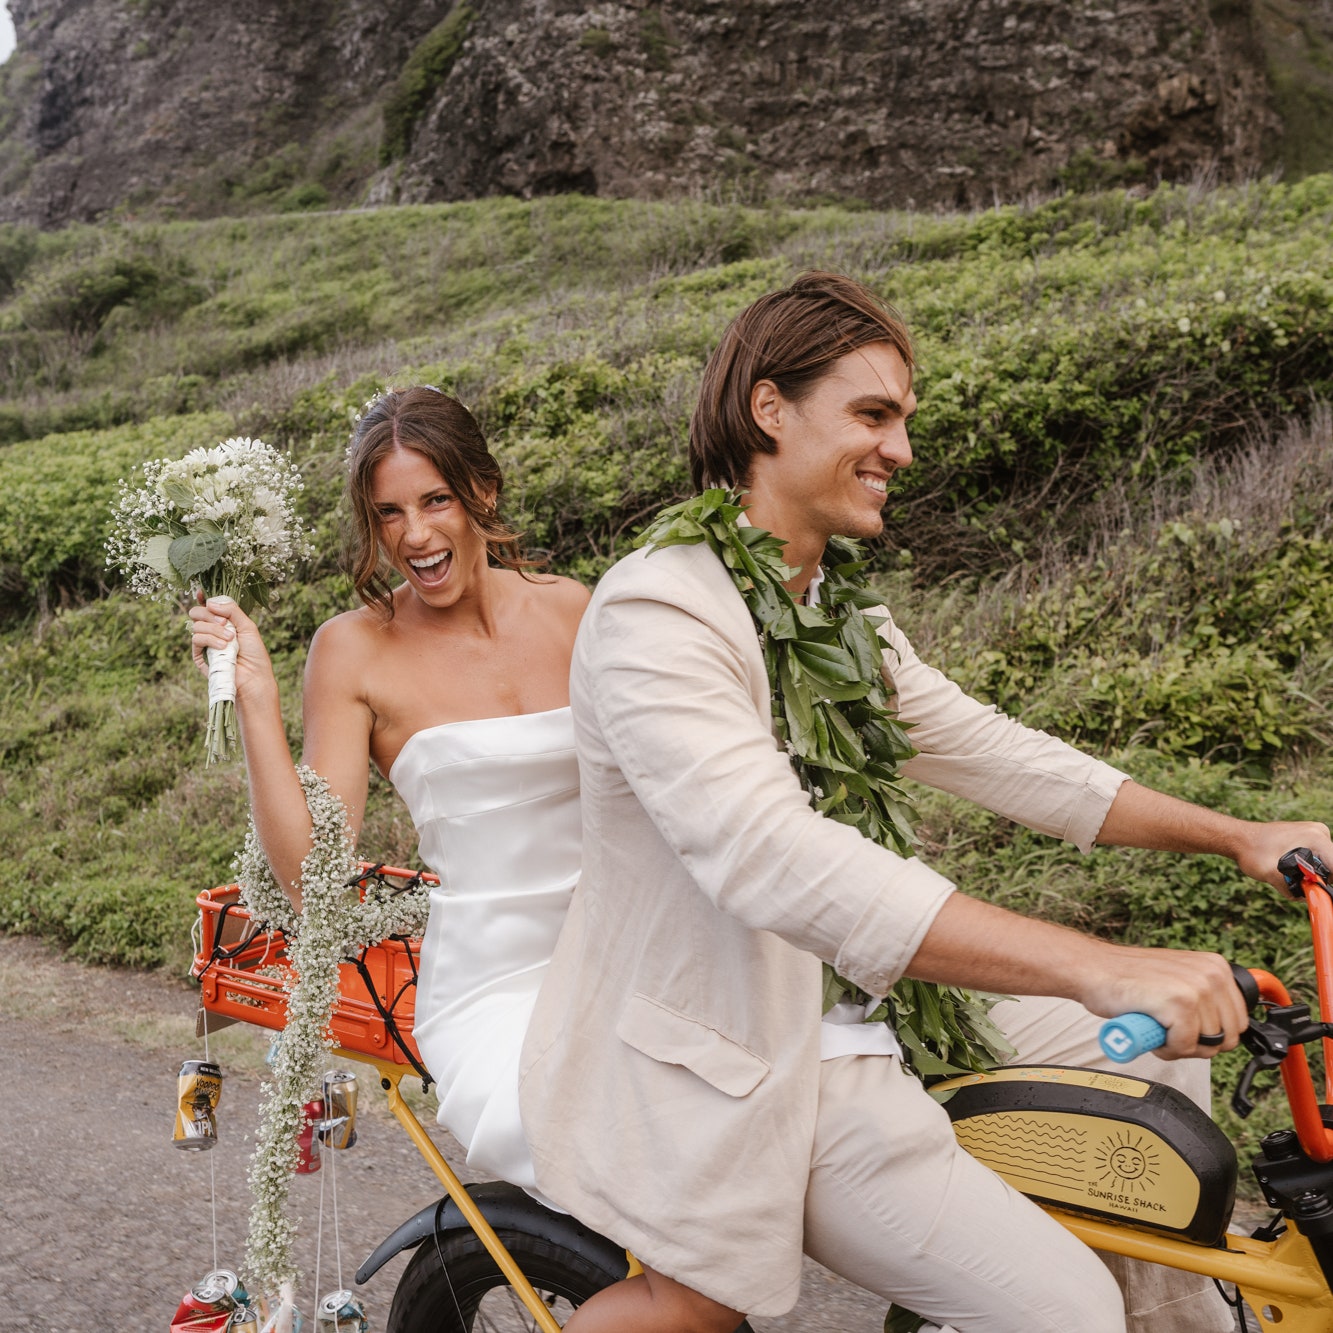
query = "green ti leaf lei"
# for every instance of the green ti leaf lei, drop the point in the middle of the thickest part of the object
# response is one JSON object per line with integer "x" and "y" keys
{"x": 831, "y": 711}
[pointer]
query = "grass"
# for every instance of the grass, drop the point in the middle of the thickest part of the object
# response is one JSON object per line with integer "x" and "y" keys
{"x": 1117, "y": 527}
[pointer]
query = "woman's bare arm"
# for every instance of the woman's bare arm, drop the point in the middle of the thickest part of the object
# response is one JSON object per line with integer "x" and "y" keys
{"x": 332, "y": 712}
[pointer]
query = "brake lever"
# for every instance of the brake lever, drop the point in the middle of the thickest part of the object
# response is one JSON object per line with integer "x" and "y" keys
{"x": 1268, "y": 1040}
{"x": 1303, "y": 870}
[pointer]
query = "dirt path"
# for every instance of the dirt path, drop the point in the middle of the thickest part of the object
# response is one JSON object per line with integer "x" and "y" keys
{"x": 105, "y": 1224}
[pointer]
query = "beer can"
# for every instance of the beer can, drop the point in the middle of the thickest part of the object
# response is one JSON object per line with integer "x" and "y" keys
{"x": 307, "y": 1141}
{"x": 188, "y": 1319}
{"x": 338, "y": 1128}
{"x": 341, "y": 1312}
{"x": 222, "y": 1287}
{"x": 209, "y": 1306}
{"x": 243, "y": 1320}
{"x": 198, "y": 1088}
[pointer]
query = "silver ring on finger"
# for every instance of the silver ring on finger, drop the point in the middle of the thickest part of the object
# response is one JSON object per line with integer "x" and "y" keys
{"x": 1211, "y": 1038}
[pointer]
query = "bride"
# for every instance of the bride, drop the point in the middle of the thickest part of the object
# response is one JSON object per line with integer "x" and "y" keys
{"x": 455, "y": 685}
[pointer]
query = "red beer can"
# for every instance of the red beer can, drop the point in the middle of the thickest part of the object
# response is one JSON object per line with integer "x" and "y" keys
{"x": 207, "y": 1307}
{"x": 307, "y": 1140}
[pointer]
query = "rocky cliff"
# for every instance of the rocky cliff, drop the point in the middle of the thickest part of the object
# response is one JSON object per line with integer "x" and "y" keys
{"x": 191, "y": 107}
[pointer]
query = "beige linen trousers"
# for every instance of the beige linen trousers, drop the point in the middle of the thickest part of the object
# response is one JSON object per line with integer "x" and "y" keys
{"x": 671, "y": 1086}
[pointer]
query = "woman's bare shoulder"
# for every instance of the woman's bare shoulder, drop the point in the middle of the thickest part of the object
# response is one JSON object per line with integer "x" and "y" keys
{"x": 570, "y": 591}
{"x": 556, "y": 595}
{"x": 348, "y": 634}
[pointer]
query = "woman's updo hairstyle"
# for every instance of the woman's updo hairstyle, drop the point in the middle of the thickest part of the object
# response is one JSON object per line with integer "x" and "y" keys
{"x": 442, "y": 430}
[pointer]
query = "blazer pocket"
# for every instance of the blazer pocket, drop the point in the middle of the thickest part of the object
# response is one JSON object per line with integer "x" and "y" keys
{"x": 675, "y": 1039}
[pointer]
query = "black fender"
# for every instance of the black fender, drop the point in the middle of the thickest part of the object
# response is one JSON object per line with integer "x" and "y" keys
{"x": 505, "y": 1207}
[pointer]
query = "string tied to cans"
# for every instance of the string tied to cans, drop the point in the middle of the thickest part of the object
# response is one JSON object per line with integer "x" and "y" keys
{"x": 344, "y": 909}
{"x": 219, "y": 1301}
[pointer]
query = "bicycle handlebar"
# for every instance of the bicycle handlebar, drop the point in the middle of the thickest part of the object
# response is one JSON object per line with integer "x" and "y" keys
{"x": 1125, "y": 1038}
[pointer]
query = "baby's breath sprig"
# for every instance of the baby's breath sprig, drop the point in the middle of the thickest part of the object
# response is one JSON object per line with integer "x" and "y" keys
{"x": 334, "y": 922}
{"x": 831, "y": 711}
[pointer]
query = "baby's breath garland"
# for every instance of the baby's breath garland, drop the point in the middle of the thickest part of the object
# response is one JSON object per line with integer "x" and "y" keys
{"x": 334, "y": 922}
{"x": 831, "y": 711}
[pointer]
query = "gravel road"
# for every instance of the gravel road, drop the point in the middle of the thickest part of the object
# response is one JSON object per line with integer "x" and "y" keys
{"x": 105, "y": 1224}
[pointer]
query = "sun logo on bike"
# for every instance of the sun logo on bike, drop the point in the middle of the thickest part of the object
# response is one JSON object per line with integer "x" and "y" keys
{"x": 1129, "y": 1160}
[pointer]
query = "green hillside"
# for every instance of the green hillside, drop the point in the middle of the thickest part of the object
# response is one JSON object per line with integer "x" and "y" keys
{"x": 1120, "y": 525}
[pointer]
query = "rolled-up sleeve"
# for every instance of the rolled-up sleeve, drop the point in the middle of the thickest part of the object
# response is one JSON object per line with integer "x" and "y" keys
{"x": 672, "y": 699}
{"x": 973, "y": 750}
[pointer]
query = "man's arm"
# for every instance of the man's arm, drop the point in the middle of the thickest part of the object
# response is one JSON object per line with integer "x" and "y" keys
{"x": 974, "y": 943}
{"x": 1141, "y": 817}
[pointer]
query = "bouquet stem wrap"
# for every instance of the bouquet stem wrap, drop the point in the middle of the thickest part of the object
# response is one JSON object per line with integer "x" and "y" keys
{"x": 221, "y": 736}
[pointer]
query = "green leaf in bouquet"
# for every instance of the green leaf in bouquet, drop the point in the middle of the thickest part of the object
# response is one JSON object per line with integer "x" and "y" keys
{"x": 156, "y": 554}
{"x": 197, "y": 551}
{"x": 178, "y": 492}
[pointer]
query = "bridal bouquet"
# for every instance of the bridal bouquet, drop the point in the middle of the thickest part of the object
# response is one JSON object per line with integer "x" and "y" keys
{"x": 221, "y": 521}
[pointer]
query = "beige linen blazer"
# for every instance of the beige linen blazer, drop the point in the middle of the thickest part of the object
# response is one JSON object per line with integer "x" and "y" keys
{"x": 669, "y": 1079}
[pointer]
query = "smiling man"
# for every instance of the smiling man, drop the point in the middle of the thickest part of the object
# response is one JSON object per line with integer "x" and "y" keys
{"x": 680, "y": 1092}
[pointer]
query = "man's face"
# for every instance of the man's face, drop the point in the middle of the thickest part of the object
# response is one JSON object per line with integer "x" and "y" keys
{"x": 836, "y": 449}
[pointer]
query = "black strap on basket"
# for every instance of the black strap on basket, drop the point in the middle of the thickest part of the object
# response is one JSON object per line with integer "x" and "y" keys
{"x": 217, "y": 954}
{"x": 387, "y": 1014}
{"x": 390, "y": 1022}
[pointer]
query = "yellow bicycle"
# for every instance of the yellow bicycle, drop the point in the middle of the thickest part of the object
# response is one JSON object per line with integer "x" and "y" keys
{"x": 1129, "y": 1166}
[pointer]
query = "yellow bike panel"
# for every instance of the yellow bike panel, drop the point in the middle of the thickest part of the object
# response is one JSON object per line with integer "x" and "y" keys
{"x": 1078, "y": 1160}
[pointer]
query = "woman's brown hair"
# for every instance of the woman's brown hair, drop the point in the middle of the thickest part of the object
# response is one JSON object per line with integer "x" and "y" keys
{"x": 442, "y": 430}
{"x": 791, "y": 337}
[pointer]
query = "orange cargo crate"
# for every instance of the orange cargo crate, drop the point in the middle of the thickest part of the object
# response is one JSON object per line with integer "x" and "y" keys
{"x": 241, "y": 971}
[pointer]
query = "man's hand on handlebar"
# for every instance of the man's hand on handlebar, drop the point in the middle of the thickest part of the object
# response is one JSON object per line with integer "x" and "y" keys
{"x": 1263, "y": 845}
{"x": 1192, "y": 995}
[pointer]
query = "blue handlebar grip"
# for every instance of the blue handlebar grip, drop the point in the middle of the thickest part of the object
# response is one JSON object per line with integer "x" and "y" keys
{"x": 1131, "y": 1035}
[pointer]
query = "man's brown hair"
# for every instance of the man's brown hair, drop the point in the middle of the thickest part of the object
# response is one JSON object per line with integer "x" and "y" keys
{"x": 791, "y": 337}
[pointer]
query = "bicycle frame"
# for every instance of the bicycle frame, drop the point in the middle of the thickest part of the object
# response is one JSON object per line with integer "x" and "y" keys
{"x": 390, "y": 1077}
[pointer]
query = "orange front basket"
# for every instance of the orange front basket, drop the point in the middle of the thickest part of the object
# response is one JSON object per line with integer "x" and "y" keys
{"x": 242, "y": 970}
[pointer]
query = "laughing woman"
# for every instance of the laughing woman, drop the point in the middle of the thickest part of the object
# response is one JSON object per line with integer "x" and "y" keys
{"x": 453, "y": 680}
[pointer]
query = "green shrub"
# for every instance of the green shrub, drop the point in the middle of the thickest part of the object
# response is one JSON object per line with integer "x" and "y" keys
{"x": 78, "y": 296}
{"x": 597, "y": 40}
{"x": 18, "y": 247}
{"x": 587, "y": 449}
{"x": 1192, "y": 642}
{"x": 425, "y": 72}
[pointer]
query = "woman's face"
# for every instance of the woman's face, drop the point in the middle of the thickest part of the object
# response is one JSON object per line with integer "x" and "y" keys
{"x": 424, "y": 529}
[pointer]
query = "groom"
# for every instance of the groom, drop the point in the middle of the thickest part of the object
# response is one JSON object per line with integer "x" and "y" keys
{"x": 679, "y": 1090}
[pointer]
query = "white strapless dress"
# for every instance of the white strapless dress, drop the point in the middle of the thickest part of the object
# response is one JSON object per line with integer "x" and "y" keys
{"x": 495, "y": 802}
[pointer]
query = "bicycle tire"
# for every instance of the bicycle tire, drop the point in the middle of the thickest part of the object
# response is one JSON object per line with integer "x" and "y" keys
{"x": 453, "y": 1286}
